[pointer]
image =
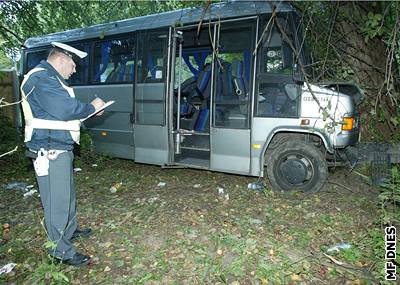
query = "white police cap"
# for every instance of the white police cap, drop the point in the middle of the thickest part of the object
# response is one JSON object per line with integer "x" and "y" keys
{"x": 69, "y": 50}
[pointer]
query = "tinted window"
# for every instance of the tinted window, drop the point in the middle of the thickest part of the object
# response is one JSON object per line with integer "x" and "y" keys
{"x": 276, "y": 53}
{"x": 151, "y": 67}
{"x": 277, "y": 100}
{"x": 233, "y": 78}
{"x": 114, "y": 61}
{"x": 34, "y": 58}
{"x": 82, "y": 66}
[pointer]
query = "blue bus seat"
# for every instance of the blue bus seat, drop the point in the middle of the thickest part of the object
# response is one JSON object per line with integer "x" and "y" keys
{"x": 192, "y": 89}
{"x": 238, "y": 79}
{"x": 202, "y": 120}
{"x": 224, "y": 78}
{"x": 113, "y": 75}
{"x": 196, "y": 89}
{"x": 122, "y": 69}
{"x": 202, "y": 83}
{"x": 105, "y": 54}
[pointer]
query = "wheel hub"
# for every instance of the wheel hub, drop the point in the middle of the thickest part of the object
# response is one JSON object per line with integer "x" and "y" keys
{"x": 296, "y": 170}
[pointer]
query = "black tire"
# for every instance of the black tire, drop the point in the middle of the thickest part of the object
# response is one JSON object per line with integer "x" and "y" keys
{"x": 296, "y": 165}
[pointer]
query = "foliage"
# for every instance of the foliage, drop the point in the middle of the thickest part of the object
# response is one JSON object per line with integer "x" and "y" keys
{"x": 24, "y": 19}
{"x": 372, "y": 26}
{"x": 358, "y": 42}
{"x": 49, "y": 273}
{"x": 10, "y": 137}
{"x": 86, "y": 155}
{"x": 389, "y": 199}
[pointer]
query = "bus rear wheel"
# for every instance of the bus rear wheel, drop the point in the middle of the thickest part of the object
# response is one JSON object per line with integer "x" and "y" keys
{"x": 296, "y": 165}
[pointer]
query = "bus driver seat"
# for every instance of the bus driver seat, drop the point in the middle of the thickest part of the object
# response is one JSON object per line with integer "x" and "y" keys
{"x": 196, "y": 92}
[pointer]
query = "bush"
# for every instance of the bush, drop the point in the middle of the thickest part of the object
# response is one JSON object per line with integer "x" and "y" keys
{"x": 85, "y": 154}
{"x": 390, "y": 199}
{"x": 15, "y": 163}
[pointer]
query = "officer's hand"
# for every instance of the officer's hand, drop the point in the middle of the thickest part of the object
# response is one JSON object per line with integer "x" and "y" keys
{"x": 98, "y": 103}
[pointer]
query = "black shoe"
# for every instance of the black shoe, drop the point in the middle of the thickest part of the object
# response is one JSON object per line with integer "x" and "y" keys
{"x": 81, "y": 233}
{"x": 77, "y": 260}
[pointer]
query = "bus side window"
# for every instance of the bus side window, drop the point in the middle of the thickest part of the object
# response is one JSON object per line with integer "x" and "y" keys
{"x": 82, "y": 67}
{"x": 278, "y": 100}
{"x": 114, "y": 61}
{"x": 277, "y": 95}
{"x": 233, "y": 78}
{"x": 151, "y": 58}
{"x": 34, "y": 58}
{"x": 276, "y": 54}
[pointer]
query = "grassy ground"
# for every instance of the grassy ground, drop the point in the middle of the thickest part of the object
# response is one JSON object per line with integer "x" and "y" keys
{"x": 188, "y": 233}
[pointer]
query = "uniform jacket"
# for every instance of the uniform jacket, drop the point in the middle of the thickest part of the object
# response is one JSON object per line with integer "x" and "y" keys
{"x": 50, "y": 101}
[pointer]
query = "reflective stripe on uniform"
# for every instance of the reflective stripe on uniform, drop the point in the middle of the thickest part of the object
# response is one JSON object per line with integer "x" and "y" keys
{"x": 31, "y": 123}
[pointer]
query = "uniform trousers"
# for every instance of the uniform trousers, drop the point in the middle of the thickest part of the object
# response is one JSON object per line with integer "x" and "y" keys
{"x": 57, "y": 194}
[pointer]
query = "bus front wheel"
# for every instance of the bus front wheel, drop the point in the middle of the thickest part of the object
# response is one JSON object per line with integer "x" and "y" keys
{"x": 296, "y": 165}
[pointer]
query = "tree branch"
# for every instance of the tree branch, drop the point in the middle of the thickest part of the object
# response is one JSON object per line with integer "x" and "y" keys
{"x": 9, "y": 152}
{"x": 12, "y": 33}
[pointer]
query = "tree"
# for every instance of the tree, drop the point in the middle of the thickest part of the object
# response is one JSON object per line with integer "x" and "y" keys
{"x": 359, "y": 42}
{"x": 22, "y": 19}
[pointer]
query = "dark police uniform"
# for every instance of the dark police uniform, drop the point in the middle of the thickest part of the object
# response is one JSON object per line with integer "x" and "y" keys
{"x": 52, "y": 127}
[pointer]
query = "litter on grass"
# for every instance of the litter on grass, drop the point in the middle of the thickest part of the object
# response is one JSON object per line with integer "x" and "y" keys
{"x": 17, "y": 186}
{"x": 7, "y": 268}
{"x": 161, "y": 184}
{"x": 339, "y": 246}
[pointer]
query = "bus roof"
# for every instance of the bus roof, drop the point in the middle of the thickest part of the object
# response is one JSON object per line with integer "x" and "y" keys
{"x": 224, "y": 10}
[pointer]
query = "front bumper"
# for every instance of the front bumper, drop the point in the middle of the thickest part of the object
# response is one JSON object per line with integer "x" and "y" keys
{"x": 347, "y": 138}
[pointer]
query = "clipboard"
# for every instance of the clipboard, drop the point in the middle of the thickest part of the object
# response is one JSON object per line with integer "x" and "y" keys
{"x": 99, "y": 110}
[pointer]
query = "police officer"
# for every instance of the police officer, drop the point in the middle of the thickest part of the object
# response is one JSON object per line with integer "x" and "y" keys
{"x": 52, "y": 126}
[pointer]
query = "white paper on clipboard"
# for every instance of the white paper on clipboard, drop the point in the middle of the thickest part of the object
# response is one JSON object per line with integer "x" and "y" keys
{"x": 99, "y": 110}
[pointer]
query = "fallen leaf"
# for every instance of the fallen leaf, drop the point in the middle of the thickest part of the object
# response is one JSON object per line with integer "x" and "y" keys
{"x": 295, "y": 277}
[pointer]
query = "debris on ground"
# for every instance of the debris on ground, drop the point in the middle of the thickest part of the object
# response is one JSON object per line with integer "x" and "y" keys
{"x": 196, "y": 186}
{"x": 115, "y": 187}
{"x": 221, "y": 192}
{"x": 338, "y": 247}
{"x": 153, "y": 199}
{"x": 257, "y": 186}
{"x": 17, "y": 186}
{"x": 77, "y": 169}
{"x": 161, "y": 184}
{"x": 30, "y": 193}
{"x": 7, "y": 268}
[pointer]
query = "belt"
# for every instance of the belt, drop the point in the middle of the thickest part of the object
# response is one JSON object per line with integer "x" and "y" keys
{"x": 51, "y": 154}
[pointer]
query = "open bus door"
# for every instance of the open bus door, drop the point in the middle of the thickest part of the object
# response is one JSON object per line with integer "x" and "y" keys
{"x": 191, "y": 97}
{"x": 150, "y": 127}
{"x": 212, "y": 127}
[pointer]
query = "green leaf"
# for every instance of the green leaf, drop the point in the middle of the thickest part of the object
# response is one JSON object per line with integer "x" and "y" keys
{"x": 50, "y": 244}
